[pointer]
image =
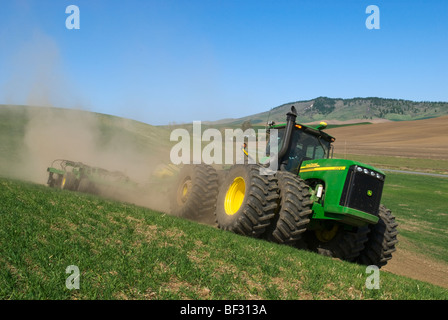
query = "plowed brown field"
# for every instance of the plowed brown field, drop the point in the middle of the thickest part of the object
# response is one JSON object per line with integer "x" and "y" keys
{"x": 413, "y": 139}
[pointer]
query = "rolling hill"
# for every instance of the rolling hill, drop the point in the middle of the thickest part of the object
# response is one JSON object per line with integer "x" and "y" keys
{"x": 353, "y": 110}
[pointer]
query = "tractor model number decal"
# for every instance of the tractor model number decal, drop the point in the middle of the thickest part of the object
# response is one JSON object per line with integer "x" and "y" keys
{"x": 307, "y": 169}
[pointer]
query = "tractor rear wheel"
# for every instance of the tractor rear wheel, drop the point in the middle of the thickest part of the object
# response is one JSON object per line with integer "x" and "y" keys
{"x": 381, "y": 241}
{"x": 293, "y": 211}
{"x": 194, "y": 194}
{"x": 246, "y": 201}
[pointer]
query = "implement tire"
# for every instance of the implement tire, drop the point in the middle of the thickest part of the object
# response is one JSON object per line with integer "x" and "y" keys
{"x": 246, "y": 201}
{"x": 381, "y": 241}
{"x": 293, "y": 211}
{"x": 69, "y": 182}
{"x": 194, "y": 194}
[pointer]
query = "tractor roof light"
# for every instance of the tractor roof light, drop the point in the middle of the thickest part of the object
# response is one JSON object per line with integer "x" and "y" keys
{"x": 322, "y": 125}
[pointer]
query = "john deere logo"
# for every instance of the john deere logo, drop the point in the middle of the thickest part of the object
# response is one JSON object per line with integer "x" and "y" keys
{"x": 369, "y": 193}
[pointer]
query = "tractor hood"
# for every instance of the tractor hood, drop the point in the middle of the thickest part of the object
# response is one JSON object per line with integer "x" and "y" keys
{"x": 353, "y": 189}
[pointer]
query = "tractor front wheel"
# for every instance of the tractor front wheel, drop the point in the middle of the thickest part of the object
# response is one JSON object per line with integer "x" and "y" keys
{"x": 293, "y": 211}
{"x": 335, "y": 241}
{"x": 382, "y": 240}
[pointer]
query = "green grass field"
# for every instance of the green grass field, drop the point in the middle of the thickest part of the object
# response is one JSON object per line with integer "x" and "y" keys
{"x": 128, "y": 252}
{"x": 420, "y": 204}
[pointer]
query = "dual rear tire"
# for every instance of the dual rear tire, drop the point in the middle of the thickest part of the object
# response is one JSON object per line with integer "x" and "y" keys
{"x": 274, "y": 207}
{"x": 246, "y": 201}
{"x": 194, "y": 195}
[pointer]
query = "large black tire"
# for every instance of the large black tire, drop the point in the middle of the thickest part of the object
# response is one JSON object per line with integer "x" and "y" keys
{"x": 381, "y": 241}
{"x": 293, "y": 211}
{"x": 194, "y": 194}
{"x": 247, "y": 201}
{"x": 337, "y": 242}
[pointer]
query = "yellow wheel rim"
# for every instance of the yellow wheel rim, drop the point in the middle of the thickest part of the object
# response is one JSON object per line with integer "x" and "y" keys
{"x": 235, "y": 196}
{"x": 63, "y": 182}
{"x": 183, "y": 191}
{"x": 327, "y": 235}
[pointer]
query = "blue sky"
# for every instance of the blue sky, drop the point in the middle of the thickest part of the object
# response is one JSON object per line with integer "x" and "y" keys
{"x": 185, "y": 60}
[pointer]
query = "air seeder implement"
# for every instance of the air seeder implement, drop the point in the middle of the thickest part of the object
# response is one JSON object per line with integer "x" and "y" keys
{"x": 315, "y": 202}
{"x": 77, "y": 176}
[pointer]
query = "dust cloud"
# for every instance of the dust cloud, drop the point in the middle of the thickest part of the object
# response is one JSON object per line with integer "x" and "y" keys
{"x": 86, "y": 137}
{"x": 37, "y": 79}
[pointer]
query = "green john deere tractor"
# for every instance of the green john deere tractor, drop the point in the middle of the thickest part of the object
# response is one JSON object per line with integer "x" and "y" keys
{"x": 315, "y": 202}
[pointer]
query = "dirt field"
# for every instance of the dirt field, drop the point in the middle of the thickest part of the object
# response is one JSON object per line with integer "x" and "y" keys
{"x": 419, "y": 267}
{"x": 414, "y": 139}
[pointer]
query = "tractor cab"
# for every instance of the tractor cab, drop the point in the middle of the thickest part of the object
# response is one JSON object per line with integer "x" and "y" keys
{"x": 298, "y": 143}
{"x": 306, "y": 143}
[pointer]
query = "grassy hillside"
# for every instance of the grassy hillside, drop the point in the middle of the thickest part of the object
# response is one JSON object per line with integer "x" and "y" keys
{"x": 128, "y": 252}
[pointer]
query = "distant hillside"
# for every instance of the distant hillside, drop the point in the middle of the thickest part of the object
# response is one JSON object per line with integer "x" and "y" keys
{"x": 362, "y": 109}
